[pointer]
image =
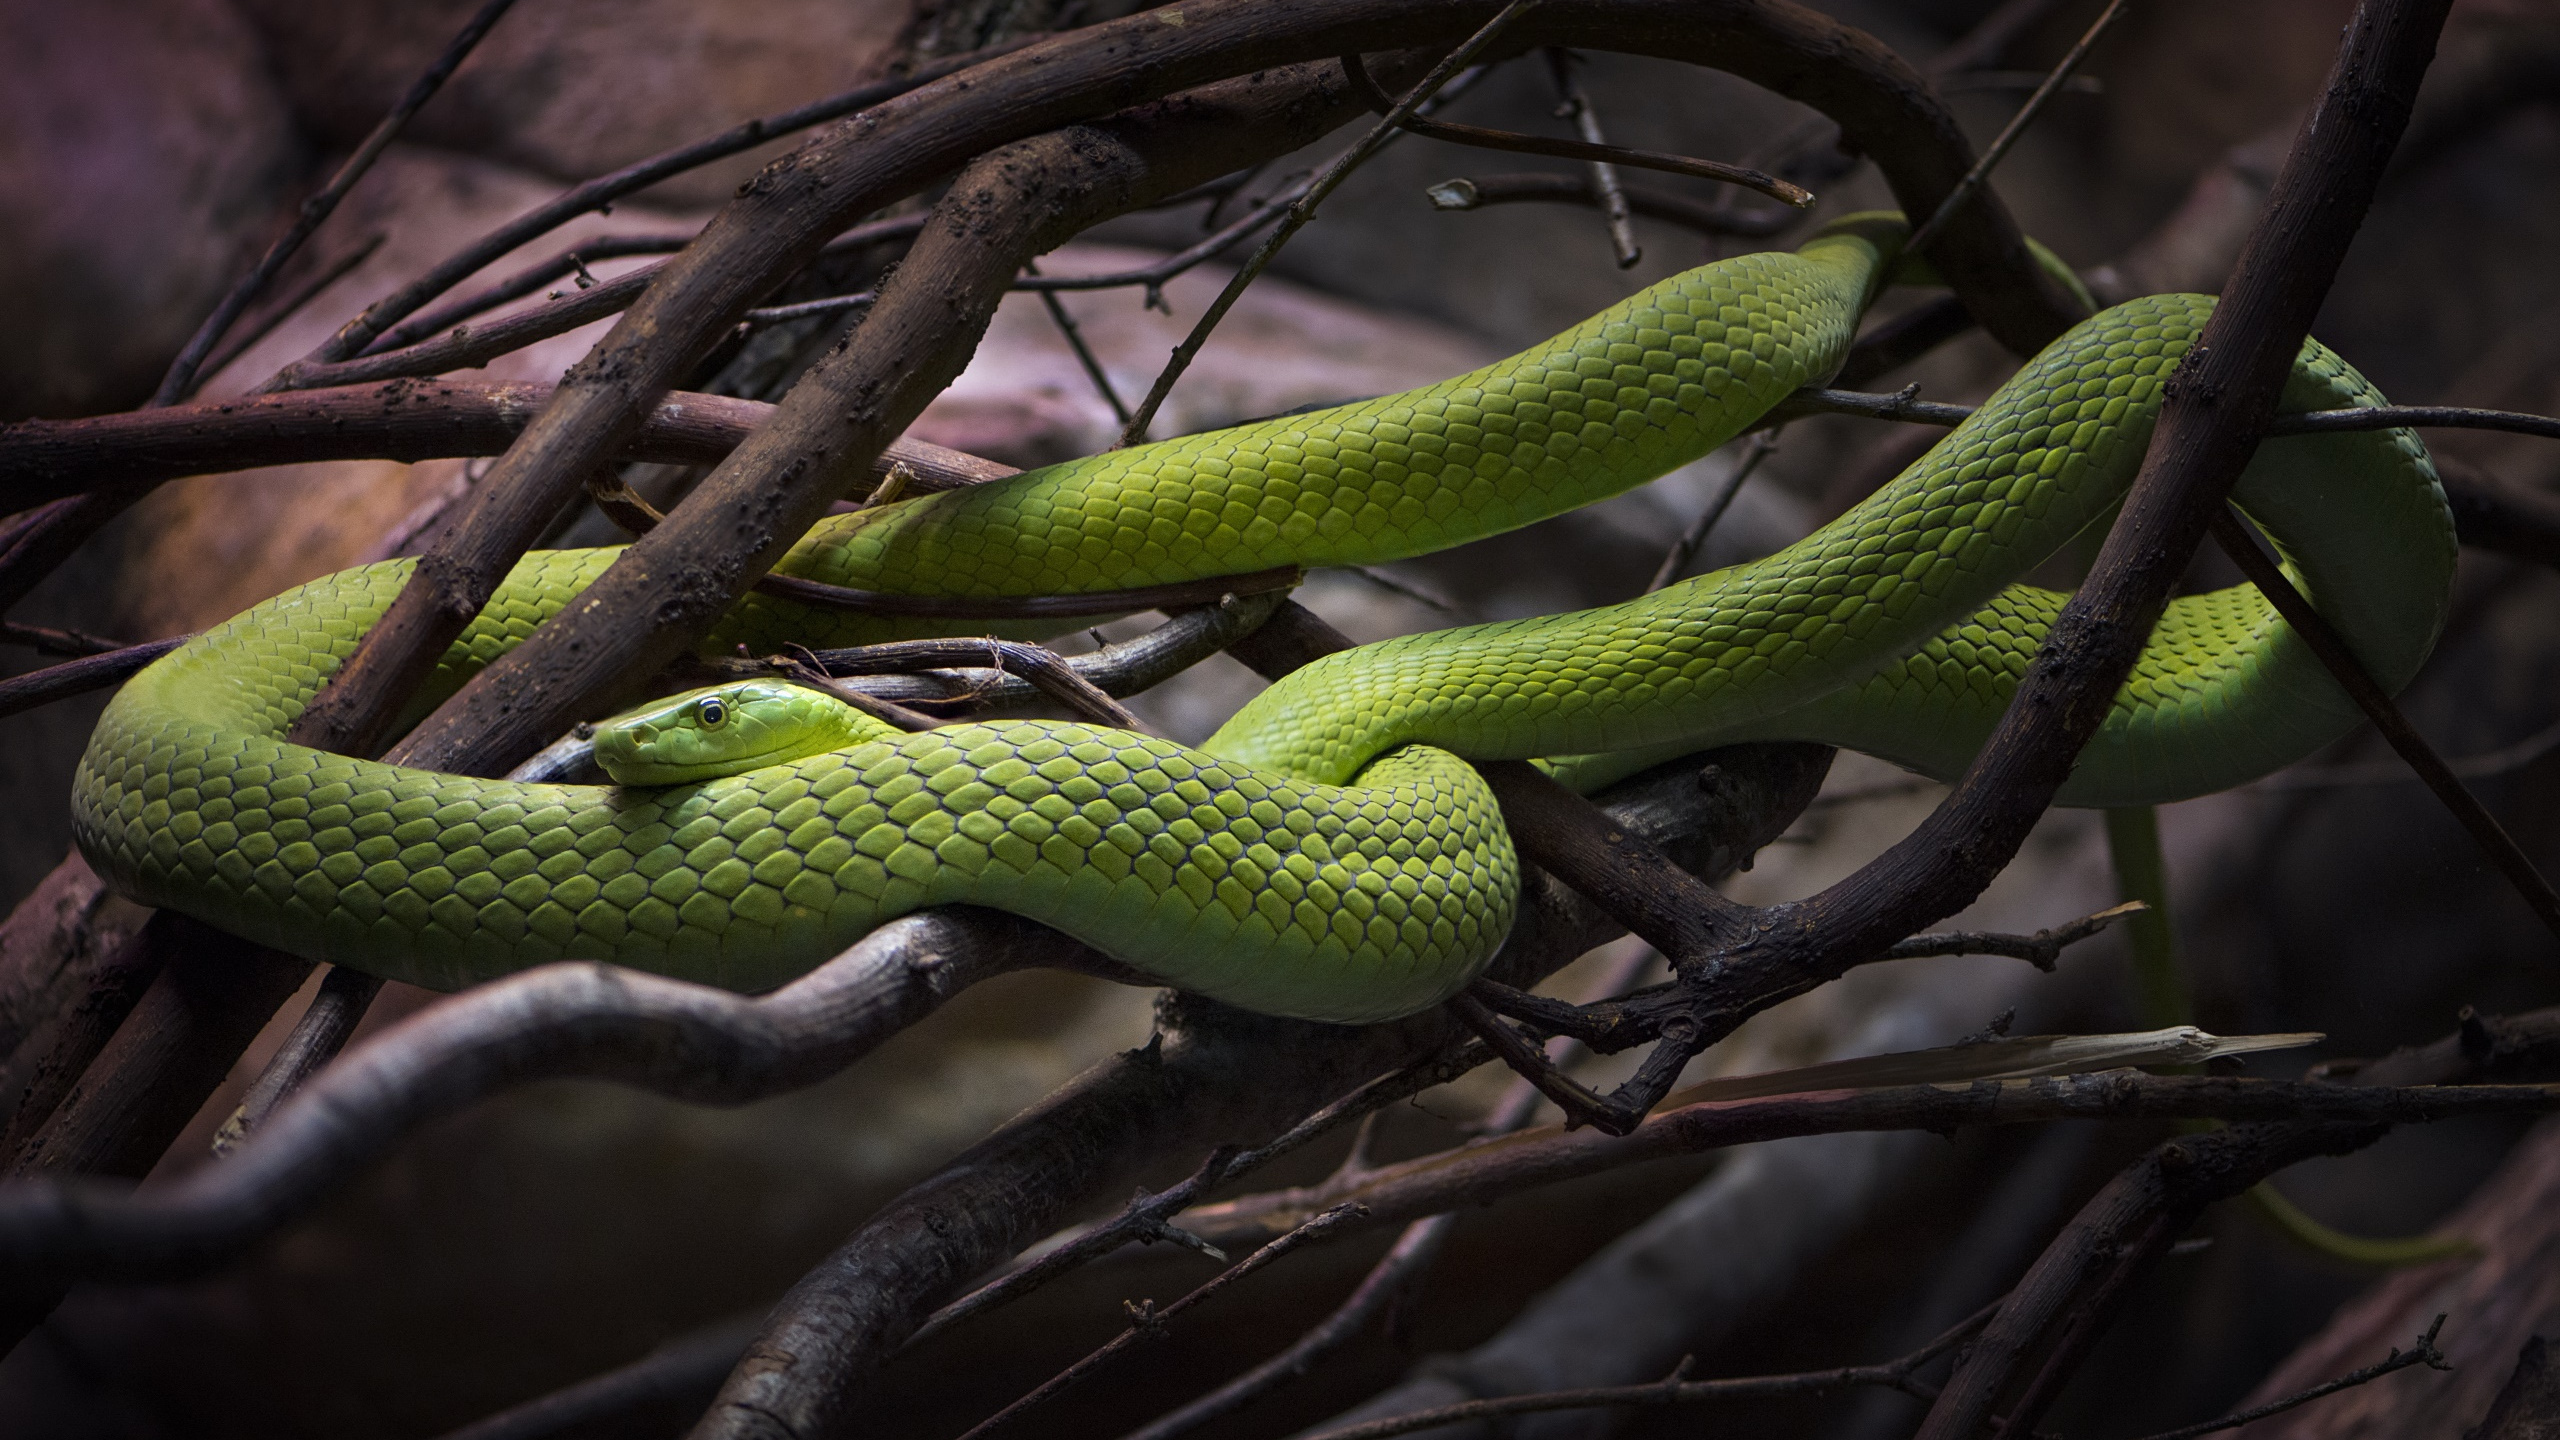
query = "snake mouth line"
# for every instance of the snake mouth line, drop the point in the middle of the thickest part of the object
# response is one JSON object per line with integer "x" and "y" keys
{"x": 653, "y": 789}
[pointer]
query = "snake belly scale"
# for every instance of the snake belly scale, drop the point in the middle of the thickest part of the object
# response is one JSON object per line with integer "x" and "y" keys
{"x": 1329, "y": 853}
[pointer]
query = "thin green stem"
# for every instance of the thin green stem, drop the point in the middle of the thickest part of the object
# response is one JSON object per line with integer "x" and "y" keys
{"x": 2160, "y": 982}
{"x": 2142, "y": 873}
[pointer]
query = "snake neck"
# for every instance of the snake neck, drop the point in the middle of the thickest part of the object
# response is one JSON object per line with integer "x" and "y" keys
{"x": 1652, "y": 383}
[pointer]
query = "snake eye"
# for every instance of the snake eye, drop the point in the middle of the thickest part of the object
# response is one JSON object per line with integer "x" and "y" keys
{"x": 711, "y": 712}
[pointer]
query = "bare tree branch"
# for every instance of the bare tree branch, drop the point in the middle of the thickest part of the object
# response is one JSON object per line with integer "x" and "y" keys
{"x": 180, "y": 382}
{"x": 1219, "y": 1074}
{"x": 1482, "y": 1173}
{"x": 694, "y": 1042}
{"x": 397, "y": 420}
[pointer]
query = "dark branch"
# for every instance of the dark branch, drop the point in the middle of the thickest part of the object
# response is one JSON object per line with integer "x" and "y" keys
{"x": 1218, "y": 1075}
{"x": 1378, "y": 101}
{"x": 79, "y": 677}
{"x": 2233, "y": 535}
{"x": 1146, "y": 1322}
{"x": 1703, "y": 216}
{"x": 362, "y": 333}
{"x": 1676, "y": 1389}
{"x": 1481, "y": 1174}
{"x": 180, "y": 382}
{"x": 692, "y": 1042}
{"x": 1210, "y": 591}
{"x": 408, "y": 420}
{"x": 2424, "y": 1352}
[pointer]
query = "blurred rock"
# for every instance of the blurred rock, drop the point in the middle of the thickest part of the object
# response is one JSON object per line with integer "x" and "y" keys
{"x": 145, "y": 157}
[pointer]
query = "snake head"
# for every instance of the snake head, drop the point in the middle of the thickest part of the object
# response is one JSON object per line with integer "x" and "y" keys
{"x": 724, "y": 730}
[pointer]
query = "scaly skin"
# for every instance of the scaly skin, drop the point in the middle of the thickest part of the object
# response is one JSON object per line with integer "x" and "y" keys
{"x": 1327, "y": 854}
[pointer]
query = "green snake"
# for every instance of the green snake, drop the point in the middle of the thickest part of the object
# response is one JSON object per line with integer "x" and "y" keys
{"x": 1329, "y": 853}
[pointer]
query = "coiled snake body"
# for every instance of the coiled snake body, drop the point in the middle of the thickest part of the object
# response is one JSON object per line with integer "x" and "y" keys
{"x": 1328, "y": 853}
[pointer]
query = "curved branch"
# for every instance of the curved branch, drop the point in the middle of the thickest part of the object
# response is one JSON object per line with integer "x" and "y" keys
{"x": 1480, "y": 1174}
{"x": 410, "y": 420}
{"x": 687, "y": 1041}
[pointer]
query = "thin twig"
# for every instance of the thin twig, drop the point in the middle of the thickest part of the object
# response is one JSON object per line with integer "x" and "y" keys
{"x": 1478, "y": 136}
{"x": 359, "y": 334}
{"x": 317, "y": 1038}
{"x": 1206, "y": 591}
{"x": 467, "y": 347}
{"x": 573, "y": 262}
{"x": 1976, "y": 80}
{"x": 1676, "y": 1389}
{"x": 570, "y": 262}
{"x": 1146, "y": 1216}
{"x": 1399, "y": 1271}
{"x": 180, "y": 382}
{"x": 2236, "y": 540}
{"x": 1704, "y": 216}
{"x": 1576, "y": 106}
{"x": 1044, "y": 668}
{"x": 1389, "y": 1279}
{"x": 764, "y": 315}
{"x": 49, "y": 640}
{"x": 1902, "y": 404}
{"x": 245, "y": 337}
{"x": 25, "y": 692}
{"x": 2424, "y": 1352}
{"x": 1146, "y": 1322}
{"x": 1905, "y": 404}
{"x": 1937, "y": 222}
{"x": 1480, "y": 1174}
{"x": 2506, "y": 759}
{"x": 2042, "y": 949}
{"x": 2392, "y": 417}
{"x": 1154, "y": 275}
{"x": 1580, "y": 1103}
{"x": 800, "y": 672}
{"x": 1069, "y": 331}
{"x": 1396, "y": 585}
{"x": 1122, "y": 668}
{"x": 42, "y": 460}
{"x": 1304, "y": 209}
{"x": 1760, "y": 447}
